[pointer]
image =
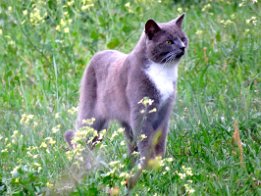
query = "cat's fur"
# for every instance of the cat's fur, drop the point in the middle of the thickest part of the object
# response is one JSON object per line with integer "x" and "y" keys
{"x": 114, "y": 83}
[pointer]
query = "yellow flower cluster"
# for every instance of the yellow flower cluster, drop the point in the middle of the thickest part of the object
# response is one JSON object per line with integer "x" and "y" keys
{"x": 88, "y": 122}
{"x": 69, "y": 3}
{"x": 38, "y": 13}
{"x": 156, "y": 163}
{"x": 116, "y": 133}
{"x": 87, "y": 4}
{"x": 189, "y": 189}
{"x": 116, "y": 169}
{"x": 80, "y": 144}
{"x": 226, "y": 22}
{"x": 128, "y": 7}
{"x": 32, "y": 152}
{"x": 252, "y": 20}
{"x": 22, "y": 169}
{"x": 16, "y": 136}
{"x": 245, "y": 2}
{"x": 10, "y": 144}
{"x": 180, "y": 10}
{"x": 72, "y": 110}
{"x": 64, "y": 26}
{"x": 206, "y": 7}
{"x": 187, "y": 172}
{"x": 142, "y": 137}
{"x": 199, "y": 32}
{"x": 26, "y": 119}
{"x": 56, "y": 129}
{"x": 146, "y": 102}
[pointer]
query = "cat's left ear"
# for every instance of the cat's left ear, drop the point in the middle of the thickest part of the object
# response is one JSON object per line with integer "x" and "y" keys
{"x": 179, "y": 20}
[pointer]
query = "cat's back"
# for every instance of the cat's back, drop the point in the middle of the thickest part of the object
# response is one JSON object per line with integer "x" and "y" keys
{"x": 105, "y": 58}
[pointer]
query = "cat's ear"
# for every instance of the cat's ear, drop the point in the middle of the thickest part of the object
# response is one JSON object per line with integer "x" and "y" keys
{"x": 151, "y": 28}
{"x": 179, "y": 20}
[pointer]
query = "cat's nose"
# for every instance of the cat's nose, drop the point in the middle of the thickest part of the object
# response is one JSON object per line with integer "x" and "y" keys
{"x": 182, "y": 48}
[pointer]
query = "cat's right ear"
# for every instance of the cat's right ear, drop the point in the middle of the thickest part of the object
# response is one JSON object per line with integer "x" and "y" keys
{"x": 151, "y": 28}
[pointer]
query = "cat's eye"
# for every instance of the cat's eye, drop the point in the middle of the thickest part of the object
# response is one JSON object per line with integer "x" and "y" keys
{"x": 183, "y": 39}
{"x": 169, "y": 42}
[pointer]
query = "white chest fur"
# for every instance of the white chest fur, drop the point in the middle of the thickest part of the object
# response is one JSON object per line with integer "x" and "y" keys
{"x": 163, "y": 76}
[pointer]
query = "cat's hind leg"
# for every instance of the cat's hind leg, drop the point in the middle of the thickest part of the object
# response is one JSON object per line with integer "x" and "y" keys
{"x": 87, "y": 104}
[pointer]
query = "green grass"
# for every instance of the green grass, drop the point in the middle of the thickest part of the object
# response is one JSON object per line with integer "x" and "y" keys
{"x": 43, "y": 58}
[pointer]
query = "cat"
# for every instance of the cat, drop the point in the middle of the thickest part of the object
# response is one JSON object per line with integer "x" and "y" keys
{"x": 114, "y": 83}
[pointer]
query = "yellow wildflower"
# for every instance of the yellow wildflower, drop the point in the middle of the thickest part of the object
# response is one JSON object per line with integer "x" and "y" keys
{"x": 252, "y": 20}
{"x": 72, "y": 110}
{"x": 199, "y": 32}
{"x": 180, "y": 10}
{"x": 70, "y": 3}
{"x": 15, "y": 171}
{"x": 43, "y": 145}
{"x": 189, "y": 189}
{"x": 181, "y": 175}
{"x": 50, "y": 140}
{"x": 37, "y": 15}
{"x": 4, "y": 150}
{"x": 57, "y": 115}
{"x": 86, "y": 4}
{"x": 26, "y": 118}
{"x": 66, "y": 30}
{"x": 155, "y": 163}
{"x": 206, "y": 7}
{"x": 153, "y": 110}
{"x": 187, "y": 170}
{"x": 25, "y": 12}
{"x": 142, "y": 137}
{"x": 56, "y": 128}
{"x": 49, "y": 185}
{"x": 170, "y": 159}
{"x": 146, "y": 101}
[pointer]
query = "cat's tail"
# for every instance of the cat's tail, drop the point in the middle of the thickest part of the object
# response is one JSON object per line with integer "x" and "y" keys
{"x": 68, "y": 137}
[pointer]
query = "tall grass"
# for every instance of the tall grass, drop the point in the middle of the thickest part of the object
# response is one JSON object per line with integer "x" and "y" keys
{"x": 45, "y": 46}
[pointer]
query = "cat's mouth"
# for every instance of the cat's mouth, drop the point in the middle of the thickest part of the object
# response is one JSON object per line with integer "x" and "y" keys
{"x": 179, "y": 55}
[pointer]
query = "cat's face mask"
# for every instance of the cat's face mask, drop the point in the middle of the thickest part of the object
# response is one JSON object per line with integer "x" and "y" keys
{"x": 166, "y": 42}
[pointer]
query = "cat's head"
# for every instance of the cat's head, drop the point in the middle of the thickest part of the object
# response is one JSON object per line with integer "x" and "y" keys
{"x": 166, "y": 42}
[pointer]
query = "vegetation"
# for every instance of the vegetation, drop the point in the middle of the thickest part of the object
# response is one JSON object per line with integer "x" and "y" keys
{"x": 45, "y": 46}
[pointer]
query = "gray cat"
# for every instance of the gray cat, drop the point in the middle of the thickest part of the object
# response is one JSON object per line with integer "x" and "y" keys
{"x": 114, "y": 83}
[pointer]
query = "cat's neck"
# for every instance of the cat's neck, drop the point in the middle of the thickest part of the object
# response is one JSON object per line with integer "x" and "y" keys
{"x": 140, "y": 47}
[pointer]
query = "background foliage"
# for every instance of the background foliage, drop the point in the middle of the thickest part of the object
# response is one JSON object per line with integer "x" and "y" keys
{"x": 45, "y": 46}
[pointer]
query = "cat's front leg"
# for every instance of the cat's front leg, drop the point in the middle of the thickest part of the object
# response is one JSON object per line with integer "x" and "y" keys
{"x": 150, "y": 130}
{"x": 131, "y": 143}
{"x": 151, "y": 142}
{"x": 160, "y": 147}
{"x": 149, "y": 146}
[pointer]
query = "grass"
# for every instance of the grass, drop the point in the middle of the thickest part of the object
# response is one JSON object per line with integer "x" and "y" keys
{"x": 45, "y": 46}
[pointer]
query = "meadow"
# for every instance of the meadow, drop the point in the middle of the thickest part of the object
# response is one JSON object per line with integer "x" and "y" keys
{"x": 214, "y": 144}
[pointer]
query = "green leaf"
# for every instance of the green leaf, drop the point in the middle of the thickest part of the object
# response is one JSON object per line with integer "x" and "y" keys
{"x": 113, "y": 43}
{"x": 218, "y": 37}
